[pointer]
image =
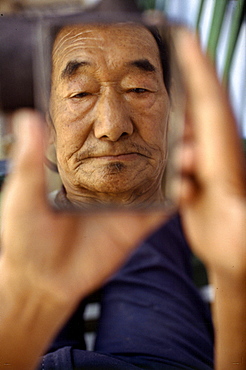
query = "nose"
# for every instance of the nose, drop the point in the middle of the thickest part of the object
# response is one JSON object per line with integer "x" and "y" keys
{"x": 112, "y": 119}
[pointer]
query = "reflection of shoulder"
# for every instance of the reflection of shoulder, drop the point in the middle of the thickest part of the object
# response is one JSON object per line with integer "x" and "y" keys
{"x": 58, "y": 199}
{"x": 52, "y": 197}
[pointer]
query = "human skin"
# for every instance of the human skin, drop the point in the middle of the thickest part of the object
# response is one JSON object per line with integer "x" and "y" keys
{"x": 109, "y": 114}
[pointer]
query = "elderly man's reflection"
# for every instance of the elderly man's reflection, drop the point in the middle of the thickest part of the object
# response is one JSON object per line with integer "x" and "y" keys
{"x": 110, "y": 109}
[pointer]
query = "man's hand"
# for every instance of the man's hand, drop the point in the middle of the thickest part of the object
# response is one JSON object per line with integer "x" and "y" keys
{"x": 50, "y": 260}
{"x": 213, "y": 198}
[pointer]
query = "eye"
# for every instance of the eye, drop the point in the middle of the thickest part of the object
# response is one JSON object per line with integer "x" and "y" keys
{"x": 80, "y": 95}
{"x": 139, "y": 90}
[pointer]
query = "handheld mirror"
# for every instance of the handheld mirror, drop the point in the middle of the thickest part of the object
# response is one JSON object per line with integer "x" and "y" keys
{"x": 112, "y": 97}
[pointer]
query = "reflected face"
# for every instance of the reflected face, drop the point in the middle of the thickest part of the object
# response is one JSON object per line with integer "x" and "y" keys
{"x": 109, "y": 109}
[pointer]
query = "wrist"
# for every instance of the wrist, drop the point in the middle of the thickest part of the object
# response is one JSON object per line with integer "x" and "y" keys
{"x": 229, "y": 316}
{"x": 29, "y": 319}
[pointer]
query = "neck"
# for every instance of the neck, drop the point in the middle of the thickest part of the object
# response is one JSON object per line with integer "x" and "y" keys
{"x": 66, "y": 199}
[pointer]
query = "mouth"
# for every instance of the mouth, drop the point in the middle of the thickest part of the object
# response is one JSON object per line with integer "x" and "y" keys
{"x": 118, "y": 157}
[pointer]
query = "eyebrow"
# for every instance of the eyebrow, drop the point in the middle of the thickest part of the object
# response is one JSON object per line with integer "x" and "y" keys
{"x": 142, "y": 64}
{"x": 72, "y": 67}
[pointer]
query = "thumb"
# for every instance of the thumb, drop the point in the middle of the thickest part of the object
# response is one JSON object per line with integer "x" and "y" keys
{"x": 27, "y": 175}
{"x": 219, "y": 152}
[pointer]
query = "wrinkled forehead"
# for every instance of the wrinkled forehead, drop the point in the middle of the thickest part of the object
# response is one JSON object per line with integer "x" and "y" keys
{"x": 115, "y": 38}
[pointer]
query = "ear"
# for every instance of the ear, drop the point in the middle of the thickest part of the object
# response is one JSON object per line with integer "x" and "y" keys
{"x": 51, "y": 142}
{"x": 51, "y": 132}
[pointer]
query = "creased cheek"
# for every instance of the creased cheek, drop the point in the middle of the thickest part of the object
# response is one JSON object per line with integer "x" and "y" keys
{"x": 64, "y": 152}
{"x": 141, "y": 105}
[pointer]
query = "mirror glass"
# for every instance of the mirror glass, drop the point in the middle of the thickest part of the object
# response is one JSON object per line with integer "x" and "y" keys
{"x": 112, "y": 99}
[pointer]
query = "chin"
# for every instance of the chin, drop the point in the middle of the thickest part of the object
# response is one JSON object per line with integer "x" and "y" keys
{"x": 111, "y": 188}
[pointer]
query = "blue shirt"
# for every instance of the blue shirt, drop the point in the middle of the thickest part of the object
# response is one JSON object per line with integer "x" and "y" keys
{"x": 153, "y": 316}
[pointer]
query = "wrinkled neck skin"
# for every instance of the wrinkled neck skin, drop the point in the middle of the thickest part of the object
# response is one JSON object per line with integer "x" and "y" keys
{"x": 137, "y": 198}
